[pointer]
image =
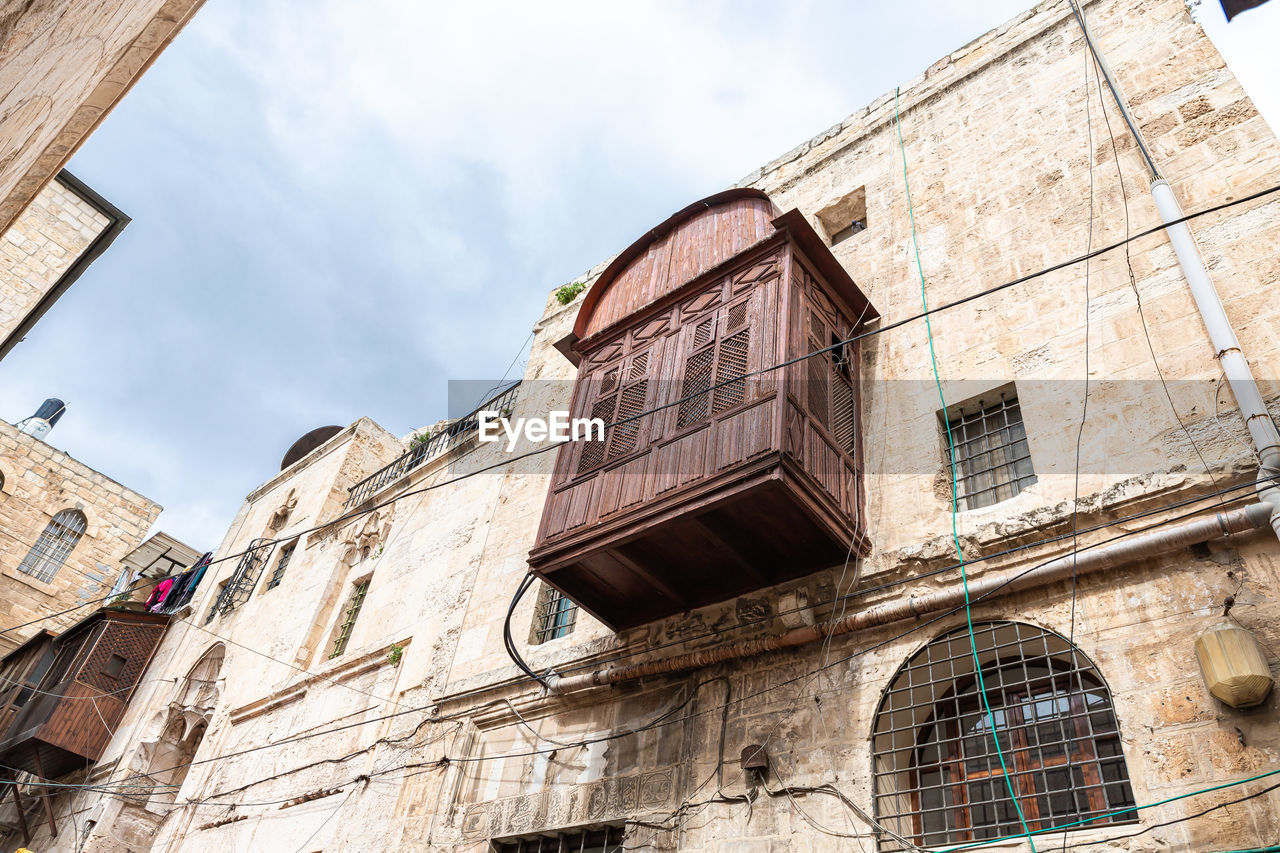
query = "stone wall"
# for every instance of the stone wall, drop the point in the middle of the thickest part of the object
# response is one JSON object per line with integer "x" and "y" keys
{"x": 444, "y": 744}
{"x": 63, "y": 65}
{"x": 44, "y": 241}
{"x": 39, "y": 482}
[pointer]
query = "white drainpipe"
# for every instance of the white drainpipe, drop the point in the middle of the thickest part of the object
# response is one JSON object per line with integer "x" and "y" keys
{"x": 1226, "y": 346}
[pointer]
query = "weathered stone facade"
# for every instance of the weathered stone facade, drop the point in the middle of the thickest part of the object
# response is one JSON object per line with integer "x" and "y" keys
{"x": 39, "y": 481}
{"x": 422, "y": 735}
{"x": 63, "y": 66}
{"x": 44, "y": 243}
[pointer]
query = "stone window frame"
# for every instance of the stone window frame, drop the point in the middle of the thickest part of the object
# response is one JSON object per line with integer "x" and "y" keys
{"x": 287, "y": 550}
{"x": 596, "y": 838}
{"x": 346, "y": 624}
{"x": 845, "y": 217}
{"x": 927, "y": 766}
{"x": 993, "y": 461}
{"x": 50, "y": 551}
{"x": 555, "y": 616}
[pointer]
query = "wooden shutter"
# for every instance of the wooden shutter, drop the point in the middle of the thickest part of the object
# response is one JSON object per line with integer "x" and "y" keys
{"x": 623, "y": 396}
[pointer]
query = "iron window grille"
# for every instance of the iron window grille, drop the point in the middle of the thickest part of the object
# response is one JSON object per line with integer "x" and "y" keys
{"x": 343, "y": 636}
{"x": 423, "y": 451}
{"x": 242, "y": 581}
{"x": 277, "y": 574}
{"x": 605, "y": 839}
{"x": 55, "y": 544}
{"x": 937, "y": 774}
{"x": 992, "y": 459}
{"x": 556, "y": 616}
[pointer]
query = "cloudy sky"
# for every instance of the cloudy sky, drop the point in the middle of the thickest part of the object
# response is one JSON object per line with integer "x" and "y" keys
{"x": 339, "y": 206}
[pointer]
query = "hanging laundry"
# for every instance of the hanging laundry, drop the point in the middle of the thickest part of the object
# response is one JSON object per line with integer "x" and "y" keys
{"x": 156, "y": 599}
{"x": 184, "y": 586}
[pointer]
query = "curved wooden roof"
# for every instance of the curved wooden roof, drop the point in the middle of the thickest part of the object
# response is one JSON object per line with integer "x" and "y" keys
{"x": 683, "y": 247}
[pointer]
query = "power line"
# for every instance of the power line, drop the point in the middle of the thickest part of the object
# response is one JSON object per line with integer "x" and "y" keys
{"x": 736, "y": 379}
{"x": 661, "y": 722}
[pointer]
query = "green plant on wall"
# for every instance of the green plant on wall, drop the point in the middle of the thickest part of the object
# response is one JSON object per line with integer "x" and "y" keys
{"x": 419, "y": 440}
{"x": 394, "y": 654}
{"x": 570, "y": 292}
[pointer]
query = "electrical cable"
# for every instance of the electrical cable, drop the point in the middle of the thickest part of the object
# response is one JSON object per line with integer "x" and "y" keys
{"x": 1084, "y": 417}
{"x": 924, "y": 315}
{"x": 660, "y": 721}
{"x": 508, "y": 642}
{"x": 736, "y": 379}
{"x": 955, "y": 509}
{"x": 1094, "y": 818}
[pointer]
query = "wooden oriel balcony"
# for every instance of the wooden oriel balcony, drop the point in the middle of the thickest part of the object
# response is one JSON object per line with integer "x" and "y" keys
{"x": 734, "y": 476}
{"x": 69, "y": 691}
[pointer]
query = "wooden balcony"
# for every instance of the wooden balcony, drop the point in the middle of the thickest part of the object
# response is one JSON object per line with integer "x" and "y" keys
{"x": 72, "y": 690}
{"x": 722, "y": 475}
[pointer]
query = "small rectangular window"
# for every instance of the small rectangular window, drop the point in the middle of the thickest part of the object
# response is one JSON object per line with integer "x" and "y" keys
{"x": 993, "y": 461}
{"x": 604, "y": 839}
{"x": 217, "y": 599}
{"x": 845, "y": 217}
{"x": 115, "y": 666}
{"x": 556, "y": 616}
{"x": 354, "y": 604}
{"x": 286, "y": 554}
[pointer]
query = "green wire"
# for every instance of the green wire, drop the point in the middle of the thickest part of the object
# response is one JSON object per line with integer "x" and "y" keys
{"x": 955, "y": 536}
{"x": 1126, "y": 810}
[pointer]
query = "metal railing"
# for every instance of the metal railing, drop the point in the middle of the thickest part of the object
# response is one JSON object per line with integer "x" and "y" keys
{"x": 424, "y": 450}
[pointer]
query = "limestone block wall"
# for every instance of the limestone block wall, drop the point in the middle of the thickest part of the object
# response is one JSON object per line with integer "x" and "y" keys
{"x": 1001, "y": 153}
{"x": 63, "y": 66}
{"x": 39, "y": 482}
{"x": 444, "y": 745}
{"x": 41, "y": 245}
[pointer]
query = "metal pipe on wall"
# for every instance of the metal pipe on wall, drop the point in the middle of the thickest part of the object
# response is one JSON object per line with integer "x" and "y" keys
{"x": 1140, "y": 547}
{"x": 1266, "y": 439}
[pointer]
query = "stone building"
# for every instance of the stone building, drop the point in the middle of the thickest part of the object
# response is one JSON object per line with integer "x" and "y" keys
{"x": 50, "y": 245}
{"x": 65, "y": 532}
{"x": 63, "y": 66}
{"x": 346, "y": 681}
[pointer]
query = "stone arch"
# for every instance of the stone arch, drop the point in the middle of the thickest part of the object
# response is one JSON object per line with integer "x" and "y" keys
{"x": 937, "y": 775}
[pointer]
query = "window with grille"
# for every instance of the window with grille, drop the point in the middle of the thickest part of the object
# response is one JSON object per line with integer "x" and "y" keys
{"x": 55, "y": 544}
{"x": 349, "y": 616}
{"x": 555, "y": 615}
{"x": 277, "y": 575}
{"x": 937, "y": 773}
{"x": 992, "y": 459}
{"x": 622, "y": 390}
{"x": 605, "y": 839}
{"x": 717, "y": 356}
{"x": 240, "y": 585}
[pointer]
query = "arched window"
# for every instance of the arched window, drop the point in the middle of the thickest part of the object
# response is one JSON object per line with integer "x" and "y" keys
{"x": 54, "y": 545}
{"x": 937, "y": 773}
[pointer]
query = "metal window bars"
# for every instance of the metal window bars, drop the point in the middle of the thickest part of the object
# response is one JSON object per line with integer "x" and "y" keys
{"x": 446, "y": 439}
{"x": 242, "y": 581}
{"x": 54, "y": 545}
{"x": 343, "y": 636}
{"x": 606, "y": 839}
{"x": 937, "y": 775}
{"x": 277, "y": 575}
{"x": 993, "y": 461}
{"x": 555, "y": 617}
